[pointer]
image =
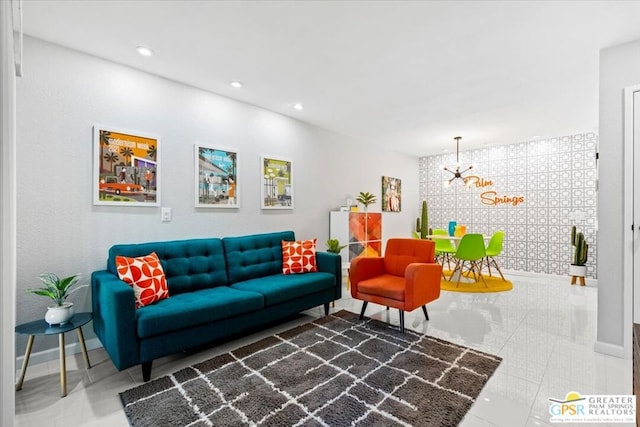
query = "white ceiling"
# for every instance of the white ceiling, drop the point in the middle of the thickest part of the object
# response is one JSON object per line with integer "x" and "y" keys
{"x": 407, "y": 75}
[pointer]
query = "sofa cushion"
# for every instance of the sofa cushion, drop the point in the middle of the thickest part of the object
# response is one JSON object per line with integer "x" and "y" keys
{"x": 195, "y": 308}
{"x": 145, "y": 275}
{"x": 280, "y": 287}
{"x": 189, "y": 265}
{"x": 299, "y": 256}
{"x": 253, "y": 256}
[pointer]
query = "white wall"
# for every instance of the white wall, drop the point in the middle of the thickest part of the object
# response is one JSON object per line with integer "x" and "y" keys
{"x": 7, "y": 214}
{"x": 619, "y": 68}
{"x": 61, "y": 96}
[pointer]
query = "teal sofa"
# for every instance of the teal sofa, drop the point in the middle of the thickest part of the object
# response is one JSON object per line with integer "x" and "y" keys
{"x": 218, "y": 288}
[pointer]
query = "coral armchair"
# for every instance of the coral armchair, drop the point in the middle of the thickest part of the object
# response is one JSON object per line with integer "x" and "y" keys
{"x": 407, "y": 277}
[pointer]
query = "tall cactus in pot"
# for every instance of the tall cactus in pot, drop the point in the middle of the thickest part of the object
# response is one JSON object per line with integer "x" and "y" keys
{"x": 581, "y": 248}
{"x": 422, "y": 223}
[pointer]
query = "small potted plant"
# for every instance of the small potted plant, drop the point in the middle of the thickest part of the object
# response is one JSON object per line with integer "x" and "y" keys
{"x": 334, "y": 246}
{"x": 366, "y": 199}
{"x": 58, "y": 290}
{"x": 578, "y": 269}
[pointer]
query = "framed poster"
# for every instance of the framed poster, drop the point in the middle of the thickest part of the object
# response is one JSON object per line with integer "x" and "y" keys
{"x": 216, "y": 177}
{"x": 277, "y": 183}
{"x": 126, "y": 167}
{"x": 391, "y": 194}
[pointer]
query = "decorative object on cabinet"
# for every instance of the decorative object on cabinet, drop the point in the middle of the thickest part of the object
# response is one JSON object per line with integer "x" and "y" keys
{"x": 362, "y": 231}
{"x": 126, "y": 167}
{"x": 216, "y": 177}
{"x": 277, "y": 183}
{"x": 391, "y": 194}
{"x": 578, "y": 269}
{"x": 366, "y": 199}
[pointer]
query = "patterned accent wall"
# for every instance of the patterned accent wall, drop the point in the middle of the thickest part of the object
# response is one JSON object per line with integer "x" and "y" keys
{"x": 533, "y": 190}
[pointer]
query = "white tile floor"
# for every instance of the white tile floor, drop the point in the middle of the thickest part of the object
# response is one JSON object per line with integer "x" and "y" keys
{"x": 544, "y": 329}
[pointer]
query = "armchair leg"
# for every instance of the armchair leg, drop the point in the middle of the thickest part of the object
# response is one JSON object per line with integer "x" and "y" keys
{"x": 364, "y": 307}
{"x": 401, "y": 320}
{"x": 326, "y": 308}
{"x": 424, "y": 310}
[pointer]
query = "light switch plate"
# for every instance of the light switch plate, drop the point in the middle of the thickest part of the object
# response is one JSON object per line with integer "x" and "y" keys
{"x": 165, "y": 214}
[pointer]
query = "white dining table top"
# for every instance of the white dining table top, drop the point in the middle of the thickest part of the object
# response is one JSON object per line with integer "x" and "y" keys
{"x": 454, "y": 238}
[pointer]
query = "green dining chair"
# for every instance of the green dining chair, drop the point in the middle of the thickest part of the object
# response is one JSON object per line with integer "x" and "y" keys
{"x": 445, "y": 250}
{"x": 494, "y": 248}
{"x": 471, "y": 251}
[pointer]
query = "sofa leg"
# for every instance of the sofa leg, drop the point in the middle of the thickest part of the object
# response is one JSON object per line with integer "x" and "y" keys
{"x": 424, "y": 310}
{"x": 146, "y": 371}
{"x": 401, "y": 320}
{"x": 364, "y": 307}
{"x": 326, "y": 308}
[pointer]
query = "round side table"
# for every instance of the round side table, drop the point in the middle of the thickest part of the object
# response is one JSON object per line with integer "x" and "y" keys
{"x": 40, "y": 327}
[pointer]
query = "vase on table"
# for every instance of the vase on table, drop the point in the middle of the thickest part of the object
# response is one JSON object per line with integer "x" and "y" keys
{"x": 452, "y": 227}
{"x": 59, "y": 314}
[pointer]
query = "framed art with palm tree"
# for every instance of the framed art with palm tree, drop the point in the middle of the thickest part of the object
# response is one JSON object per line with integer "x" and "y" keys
{"x": 125, "y": 167}
{"x": 216, "y": 177}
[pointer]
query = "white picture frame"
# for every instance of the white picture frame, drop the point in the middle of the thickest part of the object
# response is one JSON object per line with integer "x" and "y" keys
{"x": 216, "y": 177}
{"x": 126, "y": 167}
{"x": 276, "y": 177}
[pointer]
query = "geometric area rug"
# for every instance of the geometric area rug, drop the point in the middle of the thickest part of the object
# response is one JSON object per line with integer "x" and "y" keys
{"x": 336, "y": 371}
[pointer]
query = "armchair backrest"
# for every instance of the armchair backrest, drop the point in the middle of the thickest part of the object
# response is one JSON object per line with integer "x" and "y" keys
{"x": 399, "y": 253}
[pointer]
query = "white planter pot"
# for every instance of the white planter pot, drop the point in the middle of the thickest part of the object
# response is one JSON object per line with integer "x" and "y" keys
{"x": 578, "y": 270}
{"x": 59, "y": 315}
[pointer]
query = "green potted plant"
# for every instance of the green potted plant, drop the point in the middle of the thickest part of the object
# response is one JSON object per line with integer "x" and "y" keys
{"x": 578, "y": 269}
{"x": 366, "y": 199}
{"x": 334, "y": 246}
{"x": 58, "y": 290}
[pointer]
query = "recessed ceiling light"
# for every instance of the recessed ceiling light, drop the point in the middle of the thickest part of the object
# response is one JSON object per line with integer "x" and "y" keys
{"x": 297, "y": 106}
{"x": 144, "y": 51}
{"x": 236, "y": 83}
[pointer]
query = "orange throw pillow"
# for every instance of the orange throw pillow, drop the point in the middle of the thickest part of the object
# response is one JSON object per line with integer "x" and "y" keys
{"x": 146, "y": 276}
{"x": 299, "y": 256}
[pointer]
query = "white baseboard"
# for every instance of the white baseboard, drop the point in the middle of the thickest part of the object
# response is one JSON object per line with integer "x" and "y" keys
{"x": 552, "y": 277}
{"x": 611, "y": 350}
{"x": 53, "y": 353}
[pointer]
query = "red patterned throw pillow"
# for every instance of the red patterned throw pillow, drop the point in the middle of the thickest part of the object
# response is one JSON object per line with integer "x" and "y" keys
{"x": 299, "y": 256}
{"x": 146, "y": 276}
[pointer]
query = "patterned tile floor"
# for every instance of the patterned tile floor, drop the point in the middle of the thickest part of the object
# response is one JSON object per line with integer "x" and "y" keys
{"x": 544, "y": 329}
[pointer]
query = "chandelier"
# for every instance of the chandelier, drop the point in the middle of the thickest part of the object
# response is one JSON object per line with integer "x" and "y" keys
{"x": 457, "y": 173}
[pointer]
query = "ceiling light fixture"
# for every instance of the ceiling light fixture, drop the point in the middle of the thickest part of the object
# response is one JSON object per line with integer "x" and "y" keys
{"x": 236, "y": 84}
{"x": 457, "y": 173}
{"x": 297, "y": 106}
{"x": 144, "y": 51}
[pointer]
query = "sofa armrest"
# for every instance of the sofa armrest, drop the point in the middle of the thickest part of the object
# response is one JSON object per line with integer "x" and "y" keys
{"x": 363, "y": 268}
{"x": 114, "y": 318}
{"x": 422, "y": 284}
{"x": 331, "y": 263}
